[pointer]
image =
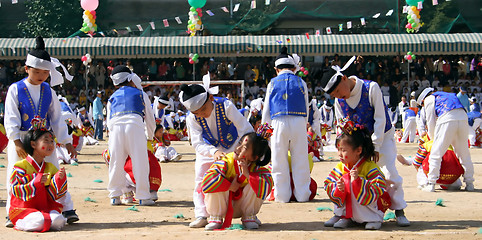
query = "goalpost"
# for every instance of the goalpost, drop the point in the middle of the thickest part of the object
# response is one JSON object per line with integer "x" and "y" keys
{"x": 223, "y": 85}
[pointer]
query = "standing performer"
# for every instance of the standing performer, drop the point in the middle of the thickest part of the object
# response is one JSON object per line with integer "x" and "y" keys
{"x": 215, "y": 125}
{"x": 129, "y": 115}
{"x": 31, "y": 97}
{"x": 361, "y": 101}
{"x": 286, "y": 109}
{"x": 327, "y": 119}
{"x": 409, "y": 125}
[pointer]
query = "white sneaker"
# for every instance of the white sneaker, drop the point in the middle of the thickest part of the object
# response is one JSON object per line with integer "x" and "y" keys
{"x": 429, "y": 188}
{"x": 256, "y": 220}
{"x": 127, "y": 198}
{"x": 469, "y": 187}
{"x": 332, "y": 221}
{"x": 250, "y": 225}
{"x": 146, "y": 202}
{"x": 115, "y": 201}
{"x": 199, "y": 222}
{"x": 373, "y": 225}
{"x": 164, "y": 159}
{"x": 154, "y": 196}
{"x": 176, "y": 158}
{"x": 213, "y": 225}
{"x": 402, "y": 221}
{"x": 343, "y": 223}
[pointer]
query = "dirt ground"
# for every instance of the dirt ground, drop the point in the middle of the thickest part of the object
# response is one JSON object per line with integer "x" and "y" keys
{"x": 460, "y": 218}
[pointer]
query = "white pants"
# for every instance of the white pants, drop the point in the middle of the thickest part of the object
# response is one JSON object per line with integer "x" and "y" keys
{"x": 80, "y": 144}
{"x": 63, "y": 155}
{"x": 66, "y": 200}
{"x": 361, "y": 213}
{"x": 409, "y": 130}
{"x": 388, "y": 156}
{"x": 472, "y": 135}
{"x": 34, "y": 222}
{"x": 290, "y": 134}
{"x": 88, "y": 140}
{"x": 168, "y": 152}
{"x": 453, "y": 133}
{"x": 246, "y": 207}
{"x": 128, "y": 140}
{"x": 422, "y": 180}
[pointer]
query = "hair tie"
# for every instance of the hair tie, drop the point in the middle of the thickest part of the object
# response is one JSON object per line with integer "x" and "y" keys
{"x": 38, "y": 123}
{"x": 265, "y": 131}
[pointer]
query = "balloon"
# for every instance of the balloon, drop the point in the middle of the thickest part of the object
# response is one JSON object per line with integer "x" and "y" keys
{"x": 302, "y": 69}
{"x": 197, "y": 3}
{"x": 414, "y": 57}
{"x": 198, "y": 27}
{"x": 90, "y": 5}
{"x": 305, "y": 73}
{"x": 85, "y": 63}
{"x": 191, "y": 61}
{"x": 195, "y": 57}
{"x": 409, "y": 53}
{"x": 411, "y": 21}
{"x": 89, "y": 60}
{"x": 199, "y": 10}
{"x": 89, "y": 24}
{"x": 191, "y": 55}
{"x": 87, "y": 55}
{"x": 413, "y": 2}
{"x": 410, "y": 60}
{"x": 409, "y": 57}
{"x": 409, "y": 26}
{"x": 197, "y": 60}
{"x": 192, "y": 9}
{"x": 83, "y": 58}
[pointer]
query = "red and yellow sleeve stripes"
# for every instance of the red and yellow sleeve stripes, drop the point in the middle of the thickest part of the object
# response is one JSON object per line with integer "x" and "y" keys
{"x": 261, "y": 181}
{"x": 369, "y": 189}
{"x": 420, "y": 156}
{"x": 215, "y": 178}
{"x": 57, "y": 187}
{"x": 24, "y": 186}
{"x": 336, "y": 196}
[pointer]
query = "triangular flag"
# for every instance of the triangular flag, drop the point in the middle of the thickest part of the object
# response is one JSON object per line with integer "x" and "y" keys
{"x": 140, "y": 27}
{"x": 3, "y": 52}
{"x": 328, "y": 30}
{"x": 178, "y": 20}
{"x": 420, "y": 5}
{"x": 102, "y": 33}
{"x": 225, "y": 9}
{"x": 282, "y": 0}
{"x": 307, "y": 35}
{"x": 348, "y": 24}
{"x": 253, "y": 4}
{"x": 153, "y": 26}
{"x": 13, "y": 50}
{"x": 405, "y": 9}
{"x": 288, "y": 40}
{"x": 129, "y": 29}
{"x": 434, "y": 2}
{"x": 389, "y": 13}
{"x": 376, "y": 15}
{"x": 236, "y": 7}
{"x": 362, "y": 20}
{"x": 318, "y": 32}
{"x": 166, "y": 23}
{"x": 14, "y": 1}
{"x": 340, "y": 27}
{"x": 209, "y": 13}
{"x": 115, "y": 31}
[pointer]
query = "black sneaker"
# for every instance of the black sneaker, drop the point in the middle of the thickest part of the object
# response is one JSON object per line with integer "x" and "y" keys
{"x": 8, "y": 223}
{"x": 71, "y": 216}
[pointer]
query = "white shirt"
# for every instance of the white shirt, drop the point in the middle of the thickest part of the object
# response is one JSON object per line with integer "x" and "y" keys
{"x": 376, "y": 101}
{"x": 195, "y": 129}
{"x": 13, "y": 120}
{"x": 432, "y": 119}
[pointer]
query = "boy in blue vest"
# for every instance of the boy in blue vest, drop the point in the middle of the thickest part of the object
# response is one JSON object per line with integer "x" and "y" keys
{"x": 215, "y": 127}
{"x": 31, "y": 97}
{"x": 447, "y": 124}
{"x": 129, "y": 119}
{"x": 286, "y": 110}
{"x": 361, "y": 101}
{"x": 409, "y": 124}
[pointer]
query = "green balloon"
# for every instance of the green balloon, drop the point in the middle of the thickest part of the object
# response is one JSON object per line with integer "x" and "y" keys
{"x": 300, "y": 74}
{"x": 414, "y": 57}
{"x": 197, "y": 3}
{"x": 411, "y": 21}
{"x": 84, "y": 24}
{"x": 409, "y": 53}
{"x": 189, "y": 22}
{"x": 409, "y": 17}
{"x": 192, "y": 9}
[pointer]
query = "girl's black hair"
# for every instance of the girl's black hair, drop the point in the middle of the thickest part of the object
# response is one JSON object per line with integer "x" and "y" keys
{"x": 253, "y": 119}
{"x": 260, "y": 148}
{"x": 359, "y": 138}
{"x": 33, "y": 135}
{"x": 158, "y": 126}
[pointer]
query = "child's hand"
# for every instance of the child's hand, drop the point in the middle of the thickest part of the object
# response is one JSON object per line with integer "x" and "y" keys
{"x": 354, "y": 174}
{"x": 19, "y": 148}
{"x": 44, "y": 178}
{"x": 218, "y": 155}
{"x": 340, "y": 184}
{"x": 243, "y": 163}
{"x": 62, "y": 173}
{"x": 234, "y": 185}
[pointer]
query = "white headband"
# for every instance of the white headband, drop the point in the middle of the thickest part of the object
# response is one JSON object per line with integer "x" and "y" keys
{"x": 339, "y": 71}
{"x": 424, "y": 94}
{"x": 56, "y": 77}
{"x": 287, "y": 60}
{"x": 196, "y": 102}
{"x": 121, "y": 77}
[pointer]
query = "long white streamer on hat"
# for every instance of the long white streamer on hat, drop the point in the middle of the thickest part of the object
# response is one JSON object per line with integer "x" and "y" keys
{"x": 206, "y": 84}
{"x": 338, "y": 73}
{"x": 119, "y": 78}
{"x": 56, "y": 77}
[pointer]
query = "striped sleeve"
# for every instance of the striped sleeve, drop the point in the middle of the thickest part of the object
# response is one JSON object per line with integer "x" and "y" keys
{"x": 336, "y": 196}
{"x": 24, "y": 186}
{"x": 370, "y": 189}
{"x": 420, "y": 156}
{"x": 261, "y": 182}
{"x": 215, "y": 178}
{"x": 57, "y": 187}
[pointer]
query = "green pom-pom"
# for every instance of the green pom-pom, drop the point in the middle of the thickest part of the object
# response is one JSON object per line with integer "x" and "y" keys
{"x": 2, "y": 166}
{"x": 165, "y": 190}
{"x": 324, "y": 209}
{"x": 235, "y": 227}
{"x": 88, "y": 199}
{"x": 96, "y": 167}
{"x": 74, "y": 164}
{"x": 179, "y": 215}
{"x": 98, "y": 181}
{"x": 389, "y": 215}
{"x": 69, "y": 175}
{"x": 133, "y": 208}
{"x": 480, "y": 230}
{"x": 440, "y": 202}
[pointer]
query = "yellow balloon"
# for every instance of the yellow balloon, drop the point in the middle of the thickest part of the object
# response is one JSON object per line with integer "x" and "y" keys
{"x": 414, "y": 8}
{"x": 199, "y": 22}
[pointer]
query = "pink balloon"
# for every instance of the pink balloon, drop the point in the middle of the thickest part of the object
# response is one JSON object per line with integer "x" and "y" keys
{"x": 409, "y": 26}
{"x": 302, "y": 69}
{"x": 305, "y": 72}
{"x": 409, "y": 57}
{"x": 89, "y": 5}
{"x": 191, "y": 61}
{"x": 199, "y": 10}
{"x": 84, "y": 58}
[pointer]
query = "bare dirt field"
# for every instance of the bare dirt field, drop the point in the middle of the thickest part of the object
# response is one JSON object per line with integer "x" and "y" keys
{"x": 461, "y": 218}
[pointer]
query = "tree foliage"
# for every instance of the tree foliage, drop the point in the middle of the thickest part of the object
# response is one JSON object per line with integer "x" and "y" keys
{"x": 51, "y": 18}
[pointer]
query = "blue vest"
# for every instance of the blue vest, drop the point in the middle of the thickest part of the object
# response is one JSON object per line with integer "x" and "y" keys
{"x": 472, "y": 116}
{"x": 227, "y": 132}
{"x": 363, "y": 112}
{"x": 127, "y": 100}
{"x": 287, "y": 96}
{"x": 311, "y": 115}
{"x": 409, "y": 113}
{"x": 445, "y": 102}
{"x": 65, "y": 107}
{"x": 26, "y": 106}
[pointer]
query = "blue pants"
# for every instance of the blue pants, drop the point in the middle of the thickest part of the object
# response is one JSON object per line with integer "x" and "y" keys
{"x": 99, "y": 129}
